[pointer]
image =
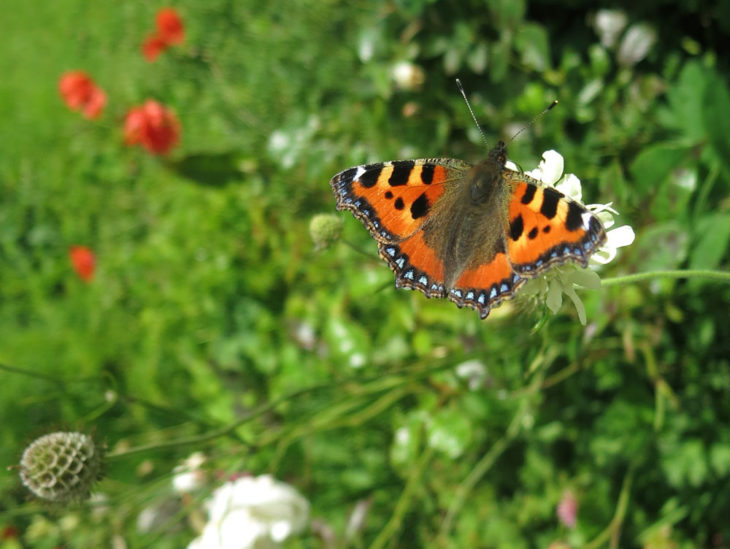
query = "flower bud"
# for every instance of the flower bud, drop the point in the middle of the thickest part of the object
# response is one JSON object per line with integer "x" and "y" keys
{"x": 325, "y": 229}
{"x": 61, "y": 466}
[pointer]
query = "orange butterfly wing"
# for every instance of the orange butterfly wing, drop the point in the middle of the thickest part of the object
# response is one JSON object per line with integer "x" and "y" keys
{"x": 393, "y": 199}
{"x": 547, "y": 228}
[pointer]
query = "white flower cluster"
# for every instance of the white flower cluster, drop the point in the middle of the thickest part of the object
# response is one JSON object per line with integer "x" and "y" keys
{"x": 252, "y": 513}
{"x": 563, "y": 279}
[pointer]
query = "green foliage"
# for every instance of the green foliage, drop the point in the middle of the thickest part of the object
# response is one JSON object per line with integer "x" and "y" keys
{"x": 212, "y": 312}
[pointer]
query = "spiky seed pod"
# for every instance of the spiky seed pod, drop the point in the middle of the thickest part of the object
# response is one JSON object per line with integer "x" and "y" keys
{"x": 61, "y": 466}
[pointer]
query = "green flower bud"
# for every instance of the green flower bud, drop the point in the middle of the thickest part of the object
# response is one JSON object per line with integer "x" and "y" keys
{"x": 325, "y": 229}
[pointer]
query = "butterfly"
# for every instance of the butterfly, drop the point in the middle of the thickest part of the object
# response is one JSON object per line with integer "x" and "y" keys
{"x": 471, "y": 233}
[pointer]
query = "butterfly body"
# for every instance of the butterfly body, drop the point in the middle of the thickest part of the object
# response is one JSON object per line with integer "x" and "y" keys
{"x": 472, "y": 233}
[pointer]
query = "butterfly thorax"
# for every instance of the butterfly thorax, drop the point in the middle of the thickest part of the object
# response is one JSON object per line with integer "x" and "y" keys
{"x": 468, "y": 227}
{"x": 485, "y": 179}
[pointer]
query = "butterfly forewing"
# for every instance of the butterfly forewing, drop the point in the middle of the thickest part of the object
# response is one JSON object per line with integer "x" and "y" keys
{"x": 393, "y": 199}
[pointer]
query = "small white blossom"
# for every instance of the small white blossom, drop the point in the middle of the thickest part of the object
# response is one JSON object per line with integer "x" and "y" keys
{"x": 408, "y": 76}
{"x": 562, "y": 279}
{"x": 474, "y": 371}
{"x": 609, "y": 24}
{"x": 188, "y": 476}
{"x": 550, "y": 168}
{"x": 252, "y": 512}
{"x": 635, "y": 44}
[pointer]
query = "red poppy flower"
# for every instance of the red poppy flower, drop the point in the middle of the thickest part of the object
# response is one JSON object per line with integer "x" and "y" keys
{"x": 170, "y": 31}
{"x": 83, "y": 262}
{"x": 152, "y": 47}
{"x": 153, "y": 126}
{"x": 80, "y": 93}
{"x": 170, "y": 26}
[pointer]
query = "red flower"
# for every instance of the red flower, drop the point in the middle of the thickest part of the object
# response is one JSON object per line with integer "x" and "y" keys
{"x": 152, "y": 126}
{"x": 152, "y": 47}
{"x": 170, "y": 26}
{"x": 170, "y": 31}
{"x": 83, "y": 262}
{"x": 81, "y": 94}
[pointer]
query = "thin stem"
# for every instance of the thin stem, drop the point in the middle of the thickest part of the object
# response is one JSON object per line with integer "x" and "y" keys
{"x": 414, "y": 480}
{"x": 613, "y": 530}
{"x": 651, "y": 275}
{"x": 372, "y": 384}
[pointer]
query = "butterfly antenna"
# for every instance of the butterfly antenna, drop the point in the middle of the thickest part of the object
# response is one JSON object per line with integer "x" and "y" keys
{"x": 473, "y": 117}
{"x": 535, "y": 119}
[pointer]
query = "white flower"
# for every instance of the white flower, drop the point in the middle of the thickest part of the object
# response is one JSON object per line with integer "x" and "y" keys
{"x": 252, "y": 512}
{"x": 408, "y": 76}
{"x": 635, "y": 44}
{"x": 189, "y": 476}
{"x": 474, "y": 371}
{"x": 608, "y": 25}
{"x": 562, "y": 279}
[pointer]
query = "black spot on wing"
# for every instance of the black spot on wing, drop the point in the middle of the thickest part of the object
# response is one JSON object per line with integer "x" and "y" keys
{"x": 401, "y": 172}
{"x": 550, "y": 198}
{"x": 516, "y": 227}
{"x": 427, "y": 173}
{"x": 419, "y": 208}
{"x": 399, "y": 204}
{"x": 529, "y": 193}
{"x": 388, "y": 195}
{"x": 371, "y": 175}
{"x": 532, "y": 234}
{"x": 546, "y": 229}
{"x": 574, "y": 219}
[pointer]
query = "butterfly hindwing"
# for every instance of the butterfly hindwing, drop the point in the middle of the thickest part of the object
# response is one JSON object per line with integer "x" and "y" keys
{"x": 392, "y": 199}
{"x": 547, "y": 228}
{"x": 485, "y": 286}
{"x": 415, "y": 265}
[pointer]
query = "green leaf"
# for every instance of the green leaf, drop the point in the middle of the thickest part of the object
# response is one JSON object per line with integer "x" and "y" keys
{"x": 685, "y": 98}
{"x": 712, "y": 234}
{"x": 720, "y": 458}
{"x": 532, "y": 43}
{"x": 716, "y": 116}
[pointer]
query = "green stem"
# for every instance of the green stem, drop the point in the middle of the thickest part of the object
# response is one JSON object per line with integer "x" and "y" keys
{"x": 613, "y": 530}
{"x": 368, "y": 385}
{"x": 414, "y": 480}
{"x": 651, "y": 275}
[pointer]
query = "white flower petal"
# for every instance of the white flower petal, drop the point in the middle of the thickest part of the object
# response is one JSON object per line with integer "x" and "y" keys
{"x": 474, "y": 371}
{"x": 620, "y": 237}
{"x": 570, "y": 187}
{"x": 253, "y": 512}
{"x": 635, "y": 44}
{"x": 552, "y": 166}
{"x": 604, "y": 255}
{"x": 609, "y": 24}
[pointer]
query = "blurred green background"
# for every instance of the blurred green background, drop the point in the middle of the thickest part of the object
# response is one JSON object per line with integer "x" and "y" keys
{"x": 211, "y": 303}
